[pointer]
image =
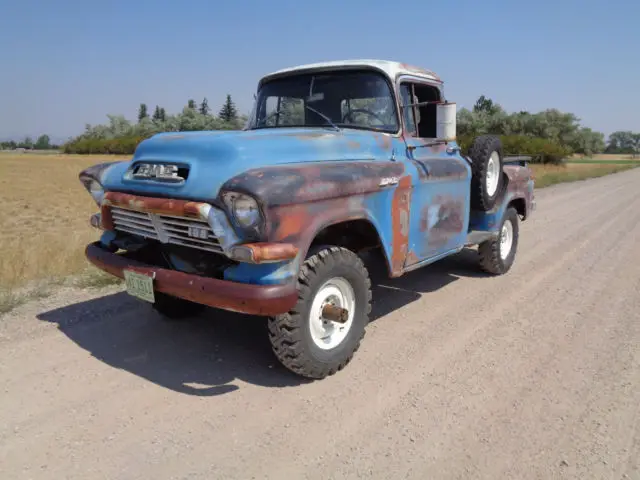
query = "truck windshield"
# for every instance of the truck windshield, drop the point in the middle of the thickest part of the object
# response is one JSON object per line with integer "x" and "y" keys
{"x": 341, "y": 99}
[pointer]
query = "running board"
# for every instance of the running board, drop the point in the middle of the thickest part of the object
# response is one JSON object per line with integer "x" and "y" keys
{"x": 476, "y": 237}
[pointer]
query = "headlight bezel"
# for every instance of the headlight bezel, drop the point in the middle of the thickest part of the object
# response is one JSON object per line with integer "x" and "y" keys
{"x": 91, "y": 180}
{"x": 95, "y": 188}
{"x": 233, "y": 200}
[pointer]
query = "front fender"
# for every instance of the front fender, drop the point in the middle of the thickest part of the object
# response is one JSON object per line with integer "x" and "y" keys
{"x": 299, "y": 201}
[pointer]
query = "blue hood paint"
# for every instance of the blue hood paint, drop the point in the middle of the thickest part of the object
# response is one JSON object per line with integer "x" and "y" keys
{"x": 216, "y": 156}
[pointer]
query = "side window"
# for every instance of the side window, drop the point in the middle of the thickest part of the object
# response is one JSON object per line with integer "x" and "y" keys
{"x": 406, "y": 91}
{"x": 291, "y": 111}
{"x": 420, "y": 117}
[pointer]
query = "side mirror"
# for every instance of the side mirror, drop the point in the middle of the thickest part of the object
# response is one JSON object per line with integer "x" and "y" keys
{"x": 446, "y": 121}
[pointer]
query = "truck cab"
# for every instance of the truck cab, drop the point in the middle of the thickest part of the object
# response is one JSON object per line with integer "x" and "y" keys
{"x": 336, "y": 159}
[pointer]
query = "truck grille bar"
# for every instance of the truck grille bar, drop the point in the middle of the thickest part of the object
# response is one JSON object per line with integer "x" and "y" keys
{"x": 188, "y": 232}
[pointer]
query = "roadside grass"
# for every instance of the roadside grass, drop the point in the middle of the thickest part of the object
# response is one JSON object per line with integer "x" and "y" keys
{"x": 547, "y": 175}
{"x": 591, "y": 161}
{"x": 44, "y": 220}
{"x": 604, "y": 157}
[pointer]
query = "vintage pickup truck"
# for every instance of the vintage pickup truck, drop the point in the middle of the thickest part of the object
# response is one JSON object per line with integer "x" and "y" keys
{"x": 336, "y": 159}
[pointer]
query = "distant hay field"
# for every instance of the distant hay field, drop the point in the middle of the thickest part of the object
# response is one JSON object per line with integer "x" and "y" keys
{"x": 44, "y": 220}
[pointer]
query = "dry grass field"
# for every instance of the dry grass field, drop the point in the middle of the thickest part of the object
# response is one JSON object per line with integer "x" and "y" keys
{"x": 44, "y": 220}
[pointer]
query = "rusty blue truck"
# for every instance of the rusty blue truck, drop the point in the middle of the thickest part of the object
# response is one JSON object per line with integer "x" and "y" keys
{"x": 336, "y": 159}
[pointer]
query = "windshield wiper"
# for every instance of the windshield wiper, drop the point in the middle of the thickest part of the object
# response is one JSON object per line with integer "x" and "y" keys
{"x": 323, "y": 116}
{"x": 264, "y": 120}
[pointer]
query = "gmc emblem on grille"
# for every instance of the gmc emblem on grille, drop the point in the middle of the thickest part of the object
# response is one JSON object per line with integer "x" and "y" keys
{"x": 198, "y": 232}
{"x": 158, "y": 171}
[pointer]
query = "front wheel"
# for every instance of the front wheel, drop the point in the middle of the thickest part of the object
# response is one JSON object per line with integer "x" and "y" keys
{"x": 320, "y": 335}
{"x": 497, "y": 255}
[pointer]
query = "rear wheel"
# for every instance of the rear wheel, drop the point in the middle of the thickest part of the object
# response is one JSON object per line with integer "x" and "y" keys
{"x": 498, "y": 254}
{"x": 487, "y": 179}
{"x": 312, "y": 341}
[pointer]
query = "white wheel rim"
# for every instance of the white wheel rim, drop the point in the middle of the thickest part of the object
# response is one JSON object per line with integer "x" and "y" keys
{"x": 493, "y": 173}
{"x": 506, "y": 239}
{"x": 327, "y": 334}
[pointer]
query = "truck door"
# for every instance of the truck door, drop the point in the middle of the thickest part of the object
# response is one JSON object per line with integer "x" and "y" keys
{"x": 440, "y": 196}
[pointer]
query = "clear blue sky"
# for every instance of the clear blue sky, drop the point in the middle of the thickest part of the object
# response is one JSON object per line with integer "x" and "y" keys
{"x": 70, "y": 62}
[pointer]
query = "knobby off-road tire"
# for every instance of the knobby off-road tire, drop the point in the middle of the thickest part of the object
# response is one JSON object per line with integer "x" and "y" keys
{"x": 295, "y": 336}
{"x": 172, "y": 308}
{"x": 487, "y": 179}
{"x": 497, "y": 255}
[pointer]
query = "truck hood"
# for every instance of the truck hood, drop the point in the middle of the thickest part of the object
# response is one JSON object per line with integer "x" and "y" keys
{"x": 213, "y": 157}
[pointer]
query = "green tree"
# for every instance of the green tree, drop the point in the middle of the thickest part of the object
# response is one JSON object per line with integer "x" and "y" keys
{"x": 142, "y": 112}
{"x": 228, "y": 112}
{"x": 43, "y": 143}
{"x": 484, "y": 104}
{"x": 26, "y": 143}
{"x": 623, "y": 142}
{"x": 191, "y": 104}
{"x": 204, "y": 107}
{"x": 159, "y": 114}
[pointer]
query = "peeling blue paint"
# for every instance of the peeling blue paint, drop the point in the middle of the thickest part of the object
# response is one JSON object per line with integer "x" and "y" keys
{"x": 262, "y": 274}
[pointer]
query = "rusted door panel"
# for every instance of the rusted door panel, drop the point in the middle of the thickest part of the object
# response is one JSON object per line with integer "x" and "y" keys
{"x": 439, "y": 203}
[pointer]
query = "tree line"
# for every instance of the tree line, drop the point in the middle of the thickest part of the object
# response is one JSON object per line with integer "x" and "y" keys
{"x": 549, "y": 135}
{"x": 121, "y": 136}
{"x": 43, "y": 142}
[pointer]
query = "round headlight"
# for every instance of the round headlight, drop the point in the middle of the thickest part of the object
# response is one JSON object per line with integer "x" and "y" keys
{"x": 246, "y": 211}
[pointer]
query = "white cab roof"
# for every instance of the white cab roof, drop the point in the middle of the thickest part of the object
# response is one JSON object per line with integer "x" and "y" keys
{"x": 392, "y": 69}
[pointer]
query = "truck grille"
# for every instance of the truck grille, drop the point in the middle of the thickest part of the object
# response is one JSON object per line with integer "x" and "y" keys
{"x": 188, "y": 232}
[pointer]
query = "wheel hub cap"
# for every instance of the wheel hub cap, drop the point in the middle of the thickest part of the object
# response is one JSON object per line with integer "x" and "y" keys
{"x": 327, "y": 334}
{"x": 493, "y": 173}
{"x": 506, "y": 239}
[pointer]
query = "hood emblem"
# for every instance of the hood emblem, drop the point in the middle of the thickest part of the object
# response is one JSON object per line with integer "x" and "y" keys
{"x": 159, "y": 171}
{"x": 386, "y": 181}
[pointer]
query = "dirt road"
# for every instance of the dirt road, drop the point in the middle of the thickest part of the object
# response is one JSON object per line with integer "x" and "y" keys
{"x": 532, "y": 375}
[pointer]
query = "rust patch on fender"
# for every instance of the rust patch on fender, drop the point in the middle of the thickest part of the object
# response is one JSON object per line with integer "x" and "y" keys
{"x": 400, "y": 225}
{"x": 286, "y": 224}
{"x": 285, "y": 185}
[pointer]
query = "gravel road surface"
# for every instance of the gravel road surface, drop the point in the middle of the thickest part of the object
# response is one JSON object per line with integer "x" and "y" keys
{"x": 535, "y": 374}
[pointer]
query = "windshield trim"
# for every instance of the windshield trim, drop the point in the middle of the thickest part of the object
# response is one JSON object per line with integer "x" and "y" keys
{"x": 322, "y": 71}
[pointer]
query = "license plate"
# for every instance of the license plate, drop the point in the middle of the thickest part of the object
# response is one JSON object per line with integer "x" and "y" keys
{"x": 139, "y": 285}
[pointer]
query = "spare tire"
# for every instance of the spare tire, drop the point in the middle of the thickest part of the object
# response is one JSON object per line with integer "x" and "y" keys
{"x": 487, "y": 176}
